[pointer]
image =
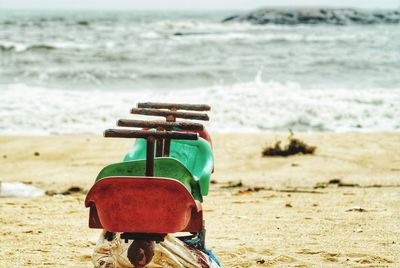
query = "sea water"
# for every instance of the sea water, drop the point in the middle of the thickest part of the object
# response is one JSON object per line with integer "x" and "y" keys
{"x": 79, "y": 71}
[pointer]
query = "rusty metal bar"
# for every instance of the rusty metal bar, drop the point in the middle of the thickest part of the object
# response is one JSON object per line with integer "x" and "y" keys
{"x": 160, "y": 144}
{"x": 166, "y": 113}
{"x": 167, "y": 147}
{"x": 160, "y": 124}
{"x": 124, "y": 133}
{"x": 150, "y": 156}
{"x": 159, "y": 147}
{"x": 167, "y": 142}
{"x": 177, "y": 106}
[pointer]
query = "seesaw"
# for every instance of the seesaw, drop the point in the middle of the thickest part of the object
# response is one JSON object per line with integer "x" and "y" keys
{"x": 159, "y": 187}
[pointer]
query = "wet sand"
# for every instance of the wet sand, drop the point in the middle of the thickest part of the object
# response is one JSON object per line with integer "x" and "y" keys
{"x": 337, "y": 208}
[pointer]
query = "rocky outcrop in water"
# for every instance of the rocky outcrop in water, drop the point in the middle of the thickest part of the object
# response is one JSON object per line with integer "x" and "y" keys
{"x": 334, "y": 16}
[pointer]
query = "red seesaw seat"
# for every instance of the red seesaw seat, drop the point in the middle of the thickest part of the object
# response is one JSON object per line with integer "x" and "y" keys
{"x": 143, "y": 205}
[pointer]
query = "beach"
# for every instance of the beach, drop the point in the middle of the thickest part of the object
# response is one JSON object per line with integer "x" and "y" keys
{"x": 330, "y": 75}
{"x": 337, "y": 208}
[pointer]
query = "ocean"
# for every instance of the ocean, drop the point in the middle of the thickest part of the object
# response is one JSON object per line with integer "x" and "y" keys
{"x": 65, "y": 72}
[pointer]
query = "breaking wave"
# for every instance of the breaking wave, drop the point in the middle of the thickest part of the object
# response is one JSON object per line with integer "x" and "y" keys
{"x": 77, "y": 72}
{"x": 252, "y": 107}
{"x": 20, "y": 47}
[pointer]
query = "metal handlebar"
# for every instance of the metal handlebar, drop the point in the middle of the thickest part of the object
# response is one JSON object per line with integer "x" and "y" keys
{"x": 160, "y": 124}
{"x": 166, "y": 113}
{"x": 176, "y": 106}
{"x": 124, "y": 133}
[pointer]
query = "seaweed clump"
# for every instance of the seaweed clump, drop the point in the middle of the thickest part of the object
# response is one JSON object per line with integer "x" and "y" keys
{"x": 295, "y": 146}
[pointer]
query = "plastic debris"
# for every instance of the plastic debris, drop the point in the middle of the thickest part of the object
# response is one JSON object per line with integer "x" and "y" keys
{"x": 19, "y": 189}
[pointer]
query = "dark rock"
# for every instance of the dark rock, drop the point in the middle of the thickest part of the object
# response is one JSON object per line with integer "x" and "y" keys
{"x": 82, "y": 22}
{"x": 333, "y": 16}
{"x": 230, "y": 18}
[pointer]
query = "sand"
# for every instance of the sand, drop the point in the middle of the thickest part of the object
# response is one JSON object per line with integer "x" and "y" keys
{"x": 285, "y": 214}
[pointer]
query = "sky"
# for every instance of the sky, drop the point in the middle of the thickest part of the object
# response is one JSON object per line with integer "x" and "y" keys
{"x": 189, "y": 4}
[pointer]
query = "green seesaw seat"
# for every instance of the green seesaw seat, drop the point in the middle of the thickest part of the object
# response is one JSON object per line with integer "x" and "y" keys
{"x": 190, "y": 161}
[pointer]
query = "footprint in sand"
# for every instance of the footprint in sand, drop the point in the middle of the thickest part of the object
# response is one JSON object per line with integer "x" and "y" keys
{"x": 279, "y": 260}
{"x": 349, "y": 258}
{"x": 368, "y": 259}
{"x": 355, "y": 258}
{"x": 85, "y": 257}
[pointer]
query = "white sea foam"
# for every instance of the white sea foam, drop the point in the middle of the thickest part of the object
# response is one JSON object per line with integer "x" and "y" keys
{"x": 253, "y": 106}
{"x": 17, "y": 47}
{"x": 263, "y": 37}
{"x": 23, "y": 47}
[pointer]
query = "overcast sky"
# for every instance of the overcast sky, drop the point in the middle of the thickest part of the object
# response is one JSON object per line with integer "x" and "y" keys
{"x": 188, "y": 4}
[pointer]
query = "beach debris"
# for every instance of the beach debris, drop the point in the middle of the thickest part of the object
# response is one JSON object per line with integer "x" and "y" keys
{"x": 337, "y": 182}
{"x": 250, "y": 190}
{"x": 51, "y": 192}
{"x": 340, "y": 183}
{"x": 334, "y": 181}
{"x": 232, "y": 184}
{"x": 321, "y": 185}
{"x": 262, "y": 261}
{"x": 4, "y": 156}
{"x": 309, "y": 251}
{"x": 343, "y": 184}
{"x": 295, "y": 146}
{"x": 357, "y": 209}
{"x": 74, "y": 190}
{"x": 358, "y": 230}
{"x": 295, "y": 190}
{"x": 172, "y": 252}
{"x": 69, "y": 191}
{"x": 288, "y": 205}
{"x": 36, "y": 154}
{"x": 19, "y": 189}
